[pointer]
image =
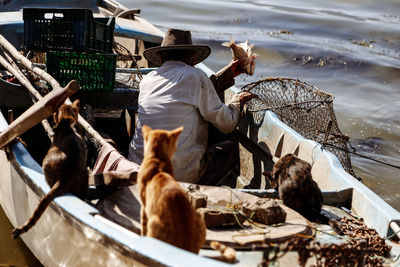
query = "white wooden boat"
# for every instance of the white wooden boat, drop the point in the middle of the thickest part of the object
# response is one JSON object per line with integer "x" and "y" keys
{"x": 75, "y": 233}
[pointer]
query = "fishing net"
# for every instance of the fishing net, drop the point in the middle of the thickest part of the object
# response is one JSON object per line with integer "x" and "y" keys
{"x": 364, "y": 247}
{"x": 304, "y": 108}
{"x": 125, "y": 59}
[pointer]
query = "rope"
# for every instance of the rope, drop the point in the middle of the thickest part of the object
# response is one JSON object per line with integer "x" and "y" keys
{"x": 319, "y": 102}
{"x": 363, "y": 156}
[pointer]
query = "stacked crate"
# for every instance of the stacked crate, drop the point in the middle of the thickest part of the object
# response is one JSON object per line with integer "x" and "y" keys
{"x": 77, "y": 45}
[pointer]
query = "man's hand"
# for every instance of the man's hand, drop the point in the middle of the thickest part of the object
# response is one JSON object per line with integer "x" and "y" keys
{"x": 245, "y": 97}
{"x": 236, "y": 68}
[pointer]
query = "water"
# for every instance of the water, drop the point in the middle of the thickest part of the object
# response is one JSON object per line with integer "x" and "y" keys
{"x": 13, "y": 252}
{"x": 359, "y": 36}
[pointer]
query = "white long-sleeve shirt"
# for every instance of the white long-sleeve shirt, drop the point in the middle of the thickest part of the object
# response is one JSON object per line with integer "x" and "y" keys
{"x": 175, "y": 95}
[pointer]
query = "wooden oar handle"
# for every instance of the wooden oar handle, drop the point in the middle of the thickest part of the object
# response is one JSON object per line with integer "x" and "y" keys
{"x": 59, "y": 97}
{"x": 41, "y": 110}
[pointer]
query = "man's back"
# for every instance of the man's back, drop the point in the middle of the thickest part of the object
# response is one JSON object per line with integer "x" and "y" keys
{"x": 180, "y": 95}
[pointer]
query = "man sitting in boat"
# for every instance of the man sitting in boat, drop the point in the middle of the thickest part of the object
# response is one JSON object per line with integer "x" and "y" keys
{"x": 178, "y": 94}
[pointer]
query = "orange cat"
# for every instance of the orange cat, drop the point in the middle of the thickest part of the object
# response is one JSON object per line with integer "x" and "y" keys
{"x": 64, "y": 165}
{"x": 166, "y": 212}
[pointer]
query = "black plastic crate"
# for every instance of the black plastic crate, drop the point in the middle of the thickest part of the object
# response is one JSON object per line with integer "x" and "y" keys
{"x": 67, "y": 30}
{"x": 92, "y": 71}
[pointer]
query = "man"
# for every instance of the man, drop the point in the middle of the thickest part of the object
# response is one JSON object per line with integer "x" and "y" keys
{"x": 178, "y": 94}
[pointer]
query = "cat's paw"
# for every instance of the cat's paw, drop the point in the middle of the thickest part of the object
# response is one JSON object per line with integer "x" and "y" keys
{"x": 16, "y": 233}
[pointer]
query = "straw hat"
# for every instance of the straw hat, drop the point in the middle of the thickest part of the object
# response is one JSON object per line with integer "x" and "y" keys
{"x": 177, "y": 40}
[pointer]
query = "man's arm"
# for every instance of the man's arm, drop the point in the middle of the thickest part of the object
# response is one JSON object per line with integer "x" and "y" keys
{"x": 223, "y": 117}
{"x": 224, "y": 78}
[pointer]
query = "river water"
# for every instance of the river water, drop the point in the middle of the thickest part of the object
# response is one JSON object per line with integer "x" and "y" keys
{"x": 358, "y": 39}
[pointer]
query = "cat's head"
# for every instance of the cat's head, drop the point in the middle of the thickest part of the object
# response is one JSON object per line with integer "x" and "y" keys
{"x": 279, "y": 167}
{"x": 67, "y": 112}
{"x": 160, "y": 142}
{"x": 288, "y": 166}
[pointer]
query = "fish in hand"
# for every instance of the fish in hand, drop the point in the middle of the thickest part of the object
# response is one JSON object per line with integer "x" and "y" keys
{"x": 244, "y": 54}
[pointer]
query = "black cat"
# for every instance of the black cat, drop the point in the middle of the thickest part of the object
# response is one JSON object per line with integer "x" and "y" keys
{"x": 64, "y": 165}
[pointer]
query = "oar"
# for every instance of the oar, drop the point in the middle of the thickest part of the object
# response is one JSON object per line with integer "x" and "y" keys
{"x": 53, "y": 82}
{"x": 39, "y": 111}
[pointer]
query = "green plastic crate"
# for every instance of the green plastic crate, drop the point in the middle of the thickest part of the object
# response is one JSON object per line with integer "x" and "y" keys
{"x": 92, "y": 71}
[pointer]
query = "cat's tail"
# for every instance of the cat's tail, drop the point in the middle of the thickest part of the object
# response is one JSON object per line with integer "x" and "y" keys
{"x": 55, "y": 191}
{"x": 228, "y": 254}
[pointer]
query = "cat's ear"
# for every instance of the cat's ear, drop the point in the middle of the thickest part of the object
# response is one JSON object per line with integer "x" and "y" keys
{"x": 271, "y": 179}
{"x": 175, "y": 133}
{"x": 76, "y": 105}
{"x": 55, "y": 117}
{"x": 145, "y": 130}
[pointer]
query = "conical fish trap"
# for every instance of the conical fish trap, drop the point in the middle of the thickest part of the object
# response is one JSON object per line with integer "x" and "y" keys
{"x": 125, "y": 59}
{"x": 304, "y": 108}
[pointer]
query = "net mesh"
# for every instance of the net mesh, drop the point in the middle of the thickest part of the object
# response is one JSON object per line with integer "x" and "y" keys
{"x": 304, "y": 108}
{"x": 125, "y": 59}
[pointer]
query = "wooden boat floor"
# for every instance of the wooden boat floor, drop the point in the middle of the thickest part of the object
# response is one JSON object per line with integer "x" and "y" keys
{"x": 123, "y": 208}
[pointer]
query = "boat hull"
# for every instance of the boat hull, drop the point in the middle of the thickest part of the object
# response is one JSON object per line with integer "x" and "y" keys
{"x": 57, "y": 239}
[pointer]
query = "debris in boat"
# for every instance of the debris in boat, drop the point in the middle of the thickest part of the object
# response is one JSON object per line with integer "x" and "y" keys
{"x": 228, "y": 254}
{"x": 37, "y": 57}
{"x": 266, "y": 211}
{"x": 243, "y": 53}
{"x": 13, "y": 80}
{"x": 196, "y": 198}
{"x": 323, "y": 254}
{"x": 357, "y": 230}
{"x": 221, "y": 217}
{"x": 364, "y": 247}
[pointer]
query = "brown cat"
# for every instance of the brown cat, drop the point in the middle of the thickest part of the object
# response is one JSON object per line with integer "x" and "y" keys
{"x": 64, "y": 165}
{"x": 291, "y": 176}
{"x": 166, "y": 212}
